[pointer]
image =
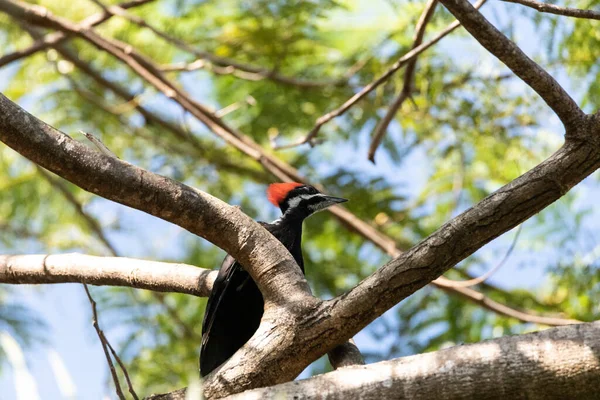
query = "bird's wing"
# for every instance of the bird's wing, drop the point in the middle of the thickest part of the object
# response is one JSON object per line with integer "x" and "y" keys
{"x": 228, "y": 268}
{"x": 232, "y": 313}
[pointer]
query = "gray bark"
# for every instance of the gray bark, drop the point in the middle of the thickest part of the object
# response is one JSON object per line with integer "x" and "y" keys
{"x": 297, "y": 328}
{"x": 114, "y": 271}
{"x": 559, "y": 363}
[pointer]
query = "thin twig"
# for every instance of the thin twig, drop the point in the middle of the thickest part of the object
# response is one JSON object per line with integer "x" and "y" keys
{"x": 225, "y": 66}
{"x": 409, "y": 76}
{"x": 251, "y": 101}
{"x": 97, "y": 229}
{"x": 58, "y": 37}
{"x": 99, "y": 145}
{"x": 558, "y": 10}
{"x": 501, "y": 309}
{"x": 116, "y": 357}
{"x": 492, "y": 271}
{"x": 241, "y": 71}
{"x": 91, "y": 222}
{"x": 371, "y": 86}
{"x": 105, "y": 344}
{"x": 158, "y": 296}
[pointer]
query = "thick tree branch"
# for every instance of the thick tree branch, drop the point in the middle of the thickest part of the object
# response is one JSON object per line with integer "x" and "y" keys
{"x": 407, "y": 87}
{"x": 281, "y": 170}
{"x": 284, "y": 171}
{"x": 558, "y": 10}
{"x": 349, "y": 220}
{"x": 265, "y": 258}
{"x": 102, "y": 271}
{"x": 59, "y": 37}
{"x": 463, "y": 235}
{"x": 514, "y": 58}
{"x": 559, "y": 363}
{"x": 336, "y": 320}
{"x": 245, "y": 144}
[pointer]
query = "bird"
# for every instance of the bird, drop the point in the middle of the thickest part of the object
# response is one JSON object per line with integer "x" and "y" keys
{"x": 235, "y": 304}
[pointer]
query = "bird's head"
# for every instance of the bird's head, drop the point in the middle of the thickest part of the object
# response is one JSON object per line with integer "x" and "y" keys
{"x": 298, "y": 200}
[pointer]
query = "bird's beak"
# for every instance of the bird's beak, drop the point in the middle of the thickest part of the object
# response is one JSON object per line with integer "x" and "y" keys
{"x": 331, "y": 200}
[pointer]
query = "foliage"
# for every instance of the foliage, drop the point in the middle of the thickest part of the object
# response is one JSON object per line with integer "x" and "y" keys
{"x": 469, "y": 128}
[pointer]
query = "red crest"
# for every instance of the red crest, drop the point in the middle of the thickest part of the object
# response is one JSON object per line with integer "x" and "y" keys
{"x": 276, "y": 192}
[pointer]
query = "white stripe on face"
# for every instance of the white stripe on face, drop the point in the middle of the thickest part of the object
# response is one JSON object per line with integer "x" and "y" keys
{"x": 294, "y": 201}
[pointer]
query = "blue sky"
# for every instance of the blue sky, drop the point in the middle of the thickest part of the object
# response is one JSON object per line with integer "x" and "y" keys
{"x": 67, "y": 310}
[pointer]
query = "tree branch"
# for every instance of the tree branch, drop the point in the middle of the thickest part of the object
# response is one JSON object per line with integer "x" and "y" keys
{"x": 245, "y": 144}
{"x": 463, "y": 235}
{"x": 103, "y": 271}
{"x": 59, "y": 37}
{"x": 479, "y": 298}
{"x": 514, "y": 58}
{"x": 558, "y": 10}
{"x": 224, "y": 66}
{"x": 559, "y": 363}
{"x": 556, "y": 364}
{"x": 105, "y": 346}
{"x": 277, "y": 168}
{"x": 385, "y": 243}
{"x": 281, "y": 170}
{"x": 409, "y": 76}
{"x": 373, "y": 85}
{"x": 334, "y": 321}
{"x": 482, "y": 278}
{"x": 265, "y": 258}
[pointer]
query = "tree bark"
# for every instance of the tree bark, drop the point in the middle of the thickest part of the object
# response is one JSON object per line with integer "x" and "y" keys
{"x": 559, "y": 363}
{"x": 266, "y": 259}
{"x": 114, "y": 271}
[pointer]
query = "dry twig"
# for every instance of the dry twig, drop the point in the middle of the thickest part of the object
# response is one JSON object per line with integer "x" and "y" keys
{"x": 558, "y": 10}
{"x": 402, "y": 61}
{"x": 105, "y": 344}
{"x": 409, "y": 76}
{"x": 56, "y": 38}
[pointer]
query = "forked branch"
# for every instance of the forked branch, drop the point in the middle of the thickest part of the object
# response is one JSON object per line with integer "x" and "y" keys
{"x": 514, "y": 58}
{"x": 172, "y": 201}
{"x": 402, "y": 61}
{"x": 407, "y": 87}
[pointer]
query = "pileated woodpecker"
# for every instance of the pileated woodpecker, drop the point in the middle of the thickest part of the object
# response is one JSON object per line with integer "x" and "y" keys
{"x": 235, "y": 305}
